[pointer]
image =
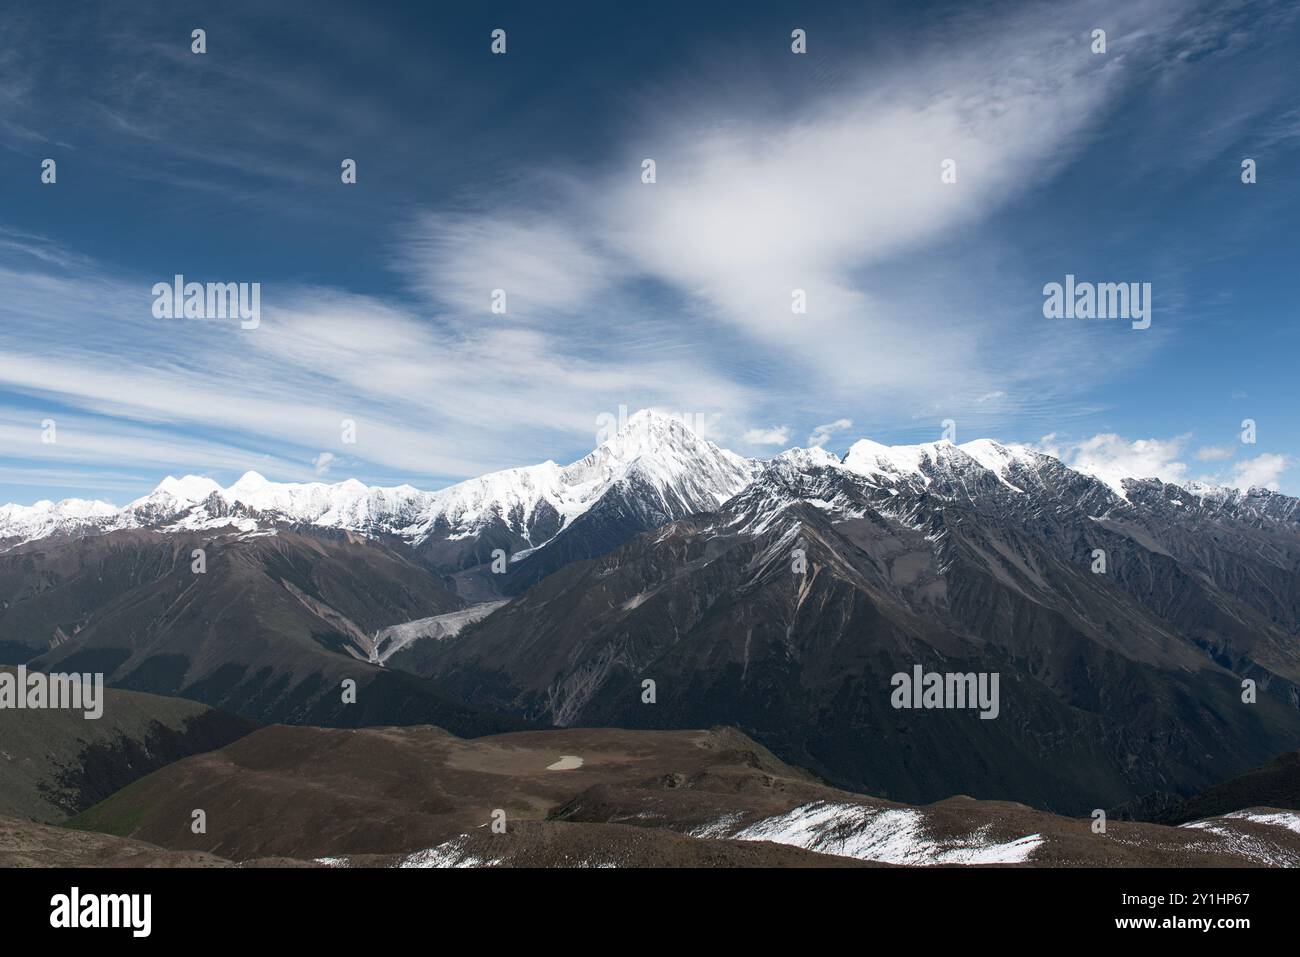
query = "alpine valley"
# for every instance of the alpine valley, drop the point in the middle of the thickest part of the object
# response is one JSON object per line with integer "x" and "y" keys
{"x": 775, "y": 597}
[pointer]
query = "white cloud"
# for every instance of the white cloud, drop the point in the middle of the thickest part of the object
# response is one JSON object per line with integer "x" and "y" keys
{"x": 1215, "y": 453}
{"x": 747, "y": 210}
{"x": 1111, "y": 458}
{"x": 323, "y": 462}
{"x": 1263, "y": 471}
{"x": 778, "y": 435}
{"x": 822, "y": 433}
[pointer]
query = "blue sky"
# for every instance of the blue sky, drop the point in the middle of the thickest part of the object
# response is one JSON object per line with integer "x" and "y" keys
{"x": 775, "y": 171}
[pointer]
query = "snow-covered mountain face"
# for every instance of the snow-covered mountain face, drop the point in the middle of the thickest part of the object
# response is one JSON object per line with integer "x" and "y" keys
{"x": 655, "y": 467}
{"x": 194, "y": 502}
{"x": 685, "y": 472}
{"x": 682, "y": 472}
{"x": 19, "y": 523}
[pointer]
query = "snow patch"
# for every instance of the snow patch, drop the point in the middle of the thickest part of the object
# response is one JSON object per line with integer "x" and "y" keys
{"x": 567, "y": 762}
{"x": 448, "y": 854}
{"x": 889, "y": 835}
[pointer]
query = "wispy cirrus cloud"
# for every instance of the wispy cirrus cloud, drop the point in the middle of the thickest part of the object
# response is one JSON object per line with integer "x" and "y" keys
{"x": 823, "y": 433}
{"x": 433, "y": 401}
{"x": 543, "y": 267}
{"x": 1214, "y": 453}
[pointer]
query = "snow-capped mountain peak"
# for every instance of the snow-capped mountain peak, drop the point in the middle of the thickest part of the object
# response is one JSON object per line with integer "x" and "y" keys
{"x": 679, "y": 470}
{"x": 996, "y": 457}
{"x": 810, "y": 458}
{"x": 190, "y": 488}
{"x": 663, "y": 452}
{"x": 1003, "y": 460}
{"x": 249, "y": 484}
{"x": 922, "y": 463}
{"x": 895, "y": 462}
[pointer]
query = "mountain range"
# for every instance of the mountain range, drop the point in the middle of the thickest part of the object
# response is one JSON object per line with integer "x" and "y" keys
{"x": 780, "y": 596}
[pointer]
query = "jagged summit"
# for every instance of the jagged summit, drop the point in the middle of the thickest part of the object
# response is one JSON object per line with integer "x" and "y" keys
{"x": 665, "y": 454}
